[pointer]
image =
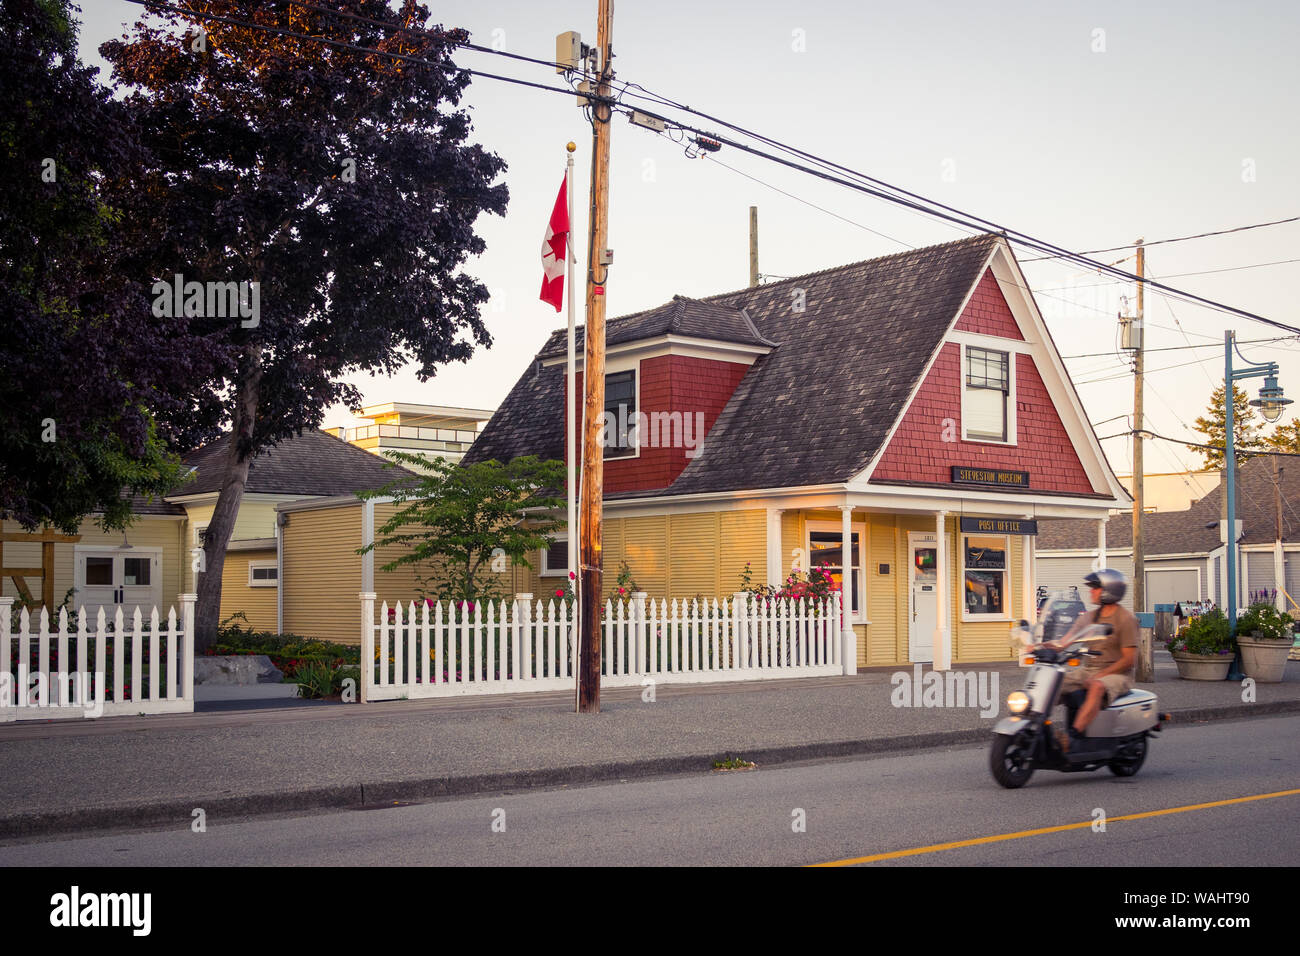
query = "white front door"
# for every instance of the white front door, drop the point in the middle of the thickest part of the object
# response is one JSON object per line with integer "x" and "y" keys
{"x": 111, "y": 578}
{"x": 923, "y": 590}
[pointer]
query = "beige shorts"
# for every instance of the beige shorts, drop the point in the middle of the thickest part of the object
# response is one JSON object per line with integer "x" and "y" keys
{"x": 1117, "y": 685}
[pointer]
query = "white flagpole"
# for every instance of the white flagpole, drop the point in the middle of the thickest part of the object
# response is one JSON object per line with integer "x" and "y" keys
{"x": 568, "y": 418}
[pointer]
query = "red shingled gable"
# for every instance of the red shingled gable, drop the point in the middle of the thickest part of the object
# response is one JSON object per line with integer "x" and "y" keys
{"x": 671, "y": 383}
{"x": 987, "y": 312}
{"x": 917, "y": 451}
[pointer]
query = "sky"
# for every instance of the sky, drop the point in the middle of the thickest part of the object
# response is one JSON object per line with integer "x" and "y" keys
{"x": 1089, "y": 125}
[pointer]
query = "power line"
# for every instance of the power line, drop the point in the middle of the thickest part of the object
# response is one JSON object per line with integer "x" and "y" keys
{"x": 894, "y": 194}
{"x": 790, "y": 195}
{"x": 1179, "y": 275}
{"x": 1176, "y": 348}
{"x": 1199, "y": 235}
{"x": 985, "y": 224}
{"x": 1150, "y": 371}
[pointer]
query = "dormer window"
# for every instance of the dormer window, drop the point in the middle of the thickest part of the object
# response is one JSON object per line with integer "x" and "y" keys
{"x": 618, "y": 433}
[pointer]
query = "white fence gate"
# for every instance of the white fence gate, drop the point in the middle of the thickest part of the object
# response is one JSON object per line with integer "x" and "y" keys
{"x": 70, "y": 671}
{"x": 435, "y": 650}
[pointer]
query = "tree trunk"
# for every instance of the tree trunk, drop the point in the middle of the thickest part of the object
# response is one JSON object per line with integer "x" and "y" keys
{"x": 207, "y": 610}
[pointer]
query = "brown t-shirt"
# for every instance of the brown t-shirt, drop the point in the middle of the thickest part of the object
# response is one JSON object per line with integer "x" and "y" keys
{"x": 1124, "y": 633}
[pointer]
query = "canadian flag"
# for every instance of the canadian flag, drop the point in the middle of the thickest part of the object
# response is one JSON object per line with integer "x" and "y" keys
{"x": 553, "y": 250}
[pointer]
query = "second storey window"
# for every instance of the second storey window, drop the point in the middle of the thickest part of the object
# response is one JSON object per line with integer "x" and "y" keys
{"x": 988, "y": 387}
{"x": 620, "y": 415}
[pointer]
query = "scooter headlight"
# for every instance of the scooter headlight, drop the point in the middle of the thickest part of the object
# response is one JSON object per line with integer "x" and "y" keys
{"x": 1017, "y": 702}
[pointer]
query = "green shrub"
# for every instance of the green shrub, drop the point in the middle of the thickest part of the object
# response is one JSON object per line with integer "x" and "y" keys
{"x": 1207, "y": 633}
{"x": 1263, "y": 617}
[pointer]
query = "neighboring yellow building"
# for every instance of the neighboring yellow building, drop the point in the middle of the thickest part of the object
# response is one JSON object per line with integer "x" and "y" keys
{"x": 157, "y": 558}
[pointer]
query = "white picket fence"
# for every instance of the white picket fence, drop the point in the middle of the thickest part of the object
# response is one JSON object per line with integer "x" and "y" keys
{"x": 422, "y": 650}
{"x": 100, "y": 667}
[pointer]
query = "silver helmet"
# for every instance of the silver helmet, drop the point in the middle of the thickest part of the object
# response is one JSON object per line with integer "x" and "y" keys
{"x": 1113, "y": 584}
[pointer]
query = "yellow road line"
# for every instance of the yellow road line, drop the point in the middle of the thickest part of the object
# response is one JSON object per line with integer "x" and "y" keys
{"x": 958, "y": 844}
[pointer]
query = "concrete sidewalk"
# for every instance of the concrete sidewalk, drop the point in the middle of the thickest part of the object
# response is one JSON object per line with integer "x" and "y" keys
{"x": 62, "y": 776}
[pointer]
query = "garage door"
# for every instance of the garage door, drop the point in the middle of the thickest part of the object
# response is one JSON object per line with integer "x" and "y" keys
{"x": 1170, "y": 587}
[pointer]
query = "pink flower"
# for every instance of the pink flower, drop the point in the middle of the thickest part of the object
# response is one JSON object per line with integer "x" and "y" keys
{"x": 559, "y": 592}
{"x": 572, "y": 576}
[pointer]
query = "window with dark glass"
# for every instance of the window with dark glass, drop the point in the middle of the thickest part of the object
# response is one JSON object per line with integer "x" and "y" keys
{"x": 988, "y": 384}
{"x": 620, "y": 415}
{"x": 99, "y": 572}
{"x": 986, "y": 576}
{"x": 826, "y": 548}
{"x": 135, "y": 571}
{"x": 555, "y": 559}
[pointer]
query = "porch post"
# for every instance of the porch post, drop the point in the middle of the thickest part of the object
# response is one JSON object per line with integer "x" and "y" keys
{"x": 846, "y": 578}
{"x": 367, "y": 599}
{"x": 1030, "y": 602}
{"x": 187, "y": 645}
{"x": 1279, "y": 575}
{"x": 942, "y": 630}
{"x": 1101, "y": 544}
{"x": 774, "y": 576}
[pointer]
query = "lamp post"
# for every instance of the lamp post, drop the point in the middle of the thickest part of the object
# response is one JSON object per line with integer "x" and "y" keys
{"x": 1270, "y": 403}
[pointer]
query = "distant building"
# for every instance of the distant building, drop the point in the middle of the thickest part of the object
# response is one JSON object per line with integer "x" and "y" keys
{"x": 1186, "y": 549}
{"x": 1175, "y": 490}
{"x": 434, "y": 431}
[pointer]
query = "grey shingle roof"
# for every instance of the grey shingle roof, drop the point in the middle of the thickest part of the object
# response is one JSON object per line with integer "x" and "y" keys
{"x": 692, "y": 318}
{"x": 818, "y": 406}
{"x": 1184, "y": 532}
{"x": 313, "y": 463}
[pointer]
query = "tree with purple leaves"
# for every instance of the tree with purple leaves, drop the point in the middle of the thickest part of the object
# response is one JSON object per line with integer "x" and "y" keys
{"x": 341, "y": 181}
{"x": 90, "y": 382}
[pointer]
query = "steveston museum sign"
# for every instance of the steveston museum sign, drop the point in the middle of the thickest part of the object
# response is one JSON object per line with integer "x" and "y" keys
{"x": 990, "y": 476}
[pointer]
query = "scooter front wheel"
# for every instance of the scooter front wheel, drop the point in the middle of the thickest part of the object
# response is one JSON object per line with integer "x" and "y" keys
{"x": 1010, "y": 760}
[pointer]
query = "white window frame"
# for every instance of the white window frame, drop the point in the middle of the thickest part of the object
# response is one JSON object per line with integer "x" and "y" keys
{"x": 635, "y": 369}
{"x": 1008, "y": 602}
{"x": 1011, "y": 393}
{"x": 859, "y": 616}
{"x": 544, "y": 568}
{"x": 273, "y": 565}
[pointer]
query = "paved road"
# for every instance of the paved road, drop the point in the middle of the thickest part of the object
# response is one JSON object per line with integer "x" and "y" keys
{"x": 853, "y": 808}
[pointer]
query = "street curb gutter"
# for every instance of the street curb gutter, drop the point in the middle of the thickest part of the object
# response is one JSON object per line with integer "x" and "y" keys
{"x": 178, "y": 812}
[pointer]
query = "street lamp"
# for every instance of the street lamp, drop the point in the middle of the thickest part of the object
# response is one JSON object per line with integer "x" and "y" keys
{"x": 1270, "y": 403}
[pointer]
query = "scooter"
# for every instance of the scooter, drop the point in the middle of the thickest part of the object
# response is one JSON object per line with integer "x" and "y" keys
{"x": 1024, "y": 742}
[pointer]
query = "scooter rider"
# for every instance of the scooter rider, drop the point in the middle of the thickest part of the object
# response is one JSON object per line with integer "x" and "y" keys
{"x": 1111, "y": 674}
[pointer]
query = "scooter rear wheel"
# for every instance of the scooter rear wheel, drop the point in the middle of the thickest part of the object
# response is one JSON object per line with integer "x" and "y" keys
{"x": 1010, "y": 761}
{"x": 1131, "y": 762}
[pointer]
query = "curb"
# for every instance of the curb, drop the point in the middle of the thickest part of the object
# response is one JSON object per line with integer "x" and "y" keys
{"x": 374, "y": 794}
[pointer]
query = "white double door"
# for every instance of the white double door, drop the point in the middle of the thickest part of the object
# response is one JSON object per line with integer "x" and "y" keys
{"x": 111, "y": 578}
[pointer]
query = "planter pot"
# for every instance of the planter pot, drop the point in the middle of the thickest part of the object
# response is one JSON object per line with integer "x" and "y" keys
{"x": 1202, "y": 666}
{"x": 1264, "y": 659}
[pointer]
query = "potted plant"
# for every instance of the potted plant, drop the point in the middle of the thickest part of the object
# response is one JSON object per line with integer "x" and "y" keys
{"x": 1264, "y": 636}
{"x": 1203, "y": 648}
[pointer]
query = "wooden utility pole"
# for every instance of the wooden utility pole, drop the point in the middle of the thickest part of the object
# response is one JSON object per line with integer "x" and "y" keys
{"x": 753, "y": 246}
{"x": 1146, "y": 662}
{"x": 593, "y": 379}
